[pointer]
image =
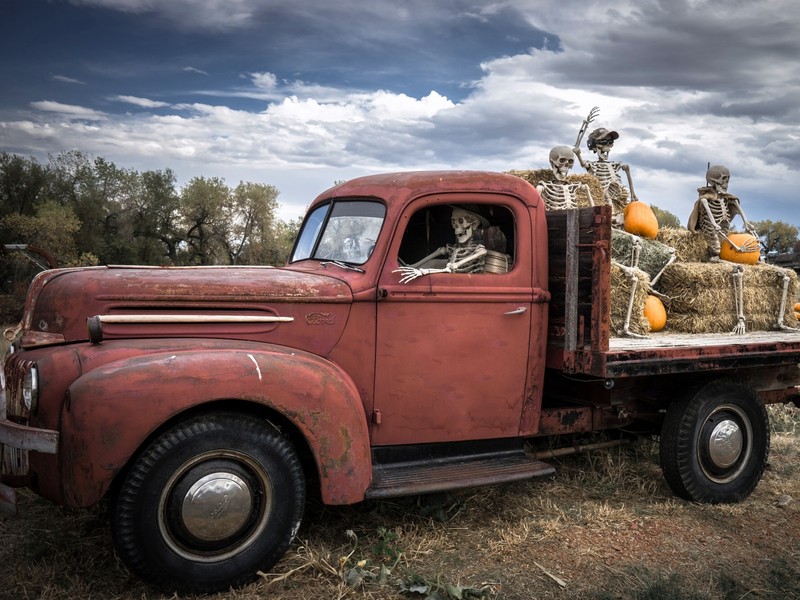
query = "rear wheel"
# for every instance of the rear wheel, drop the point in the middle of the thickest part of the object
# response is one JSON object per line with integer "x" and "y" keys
{"x": 209, "y": 503}
{"x": 715, "y": 443}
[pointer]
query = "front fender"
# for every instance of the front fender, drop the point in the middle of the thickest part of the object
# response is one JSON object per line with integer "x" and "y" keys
{"x": 114, "y": 408}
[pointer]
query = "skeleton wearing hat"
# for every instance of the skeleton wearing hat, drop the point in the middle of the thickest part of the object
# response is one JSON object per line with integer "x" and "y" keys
{"x": 600, "y": 141}
{"x": 465, "y": 256}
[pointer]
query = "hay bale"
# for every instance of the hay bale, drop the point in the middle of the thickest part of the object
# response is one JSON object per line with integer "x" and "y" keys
{"x": 700, "y": 297}
{"x": 653, "y": 255}
{"x": 534, "y": 176}
{"x": 689, "y": 245}
{"x": 620, "y": 297}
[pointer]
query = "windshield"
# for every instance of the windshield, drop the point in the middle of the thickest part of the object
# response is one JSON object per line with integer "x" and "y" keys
{"x": 344, "y": 230}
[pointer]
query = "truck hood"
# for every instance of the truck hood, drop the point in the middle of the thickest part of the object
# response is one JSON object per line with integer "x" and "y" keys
{"x": 302, "y": 310}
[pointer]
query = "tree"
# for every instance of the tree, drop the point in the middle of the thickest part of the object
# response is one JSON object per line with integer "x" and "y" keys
{"x": 205, "y": 211}
{"x": 666, "y": 218}
{"x": 23, "y": 184}
{"x": 157, "y": 236}
{"x": 252, "y": 235}
{"x": 776, "y": 236}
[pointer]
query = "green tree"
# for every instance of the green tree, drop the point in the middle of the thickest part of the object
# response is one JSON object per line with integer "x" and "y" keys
{"x": 666, "y": 218}
{"x": 23, "y": 184}
{"x": 285, "y": 235}
{"x": 206, "y": 210}
{"x": 156, "y": 213}
{"x": 776, "y": 235}
{"x": 252, "y": 220}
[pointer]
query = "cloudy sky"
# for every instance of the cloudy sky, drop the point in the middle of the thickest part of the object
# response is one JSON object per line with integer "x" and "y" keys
{"x": 302, "y": 93}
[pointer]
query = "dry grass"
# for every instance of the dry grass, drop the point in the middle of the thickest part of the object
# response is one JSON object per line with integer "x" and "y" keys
{"x": 605, "y": 526}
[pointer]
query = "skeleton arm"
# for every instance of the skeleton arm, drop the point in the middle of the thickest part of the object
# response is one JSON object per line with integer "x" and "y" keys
{"x": 747, "y": 225}
{"x": 582, "y": 162}
{"x": 712, "y": 219}
{"x": 410, "y": 273}
{"x": 582, "y": 131}
{"x": 627, "y": 170}
{"x": 588, "y": 191}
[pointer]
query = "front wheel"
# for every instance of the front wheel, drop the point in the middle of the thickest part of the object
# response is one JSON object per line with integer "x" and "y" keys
{"x": 715, "y": 443}
{"x": 209, "y": 503}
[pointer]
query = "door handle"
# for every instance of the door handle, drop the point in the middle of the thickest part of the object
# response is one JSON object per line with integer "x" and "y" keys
{"x": 516, "y": 311}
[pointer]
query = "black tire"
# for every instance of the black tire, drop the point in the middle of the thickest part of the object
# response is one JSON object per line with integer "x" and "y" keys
{"x": 715, "y": 443}
{"x": 209, "y": 503}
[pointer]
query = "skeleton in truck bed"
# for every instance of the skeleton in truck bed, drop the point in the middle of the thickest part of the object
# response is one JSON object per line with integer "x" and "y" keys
{"x": 600, "y": 142}
{"x": 712, "y": 215}
{"x": 465, "y": 256}
{"x": 560, "y": 194}
{"x": 714, "y": 211}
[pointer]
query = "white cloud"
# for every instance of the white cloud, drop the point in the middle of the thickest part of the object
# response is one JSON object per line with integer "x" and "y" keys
{"x": 69, "y": 110}
{"x": 143, "y": 102}
{"x": 65, "y": 79}
{"x": 194, "y": 70}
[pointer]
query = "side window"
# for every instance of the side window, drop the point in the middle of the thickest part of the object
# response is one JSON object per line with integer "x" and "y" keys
{"x": 463, "y": 238}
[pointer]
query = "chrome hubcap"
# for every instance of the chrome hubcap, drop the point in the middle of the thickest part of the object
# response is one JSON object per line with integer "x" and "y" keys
{"x": 216, "y": 506}
{"x": 725, "y": 444}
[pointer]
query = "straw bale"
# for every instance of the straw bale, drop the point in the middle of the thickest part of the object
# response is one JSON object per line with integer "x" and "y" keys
{"x": 700, "y": 296}
{"x": 653, "y": 256}
{"x": 620, "y": 297}
{"x": 534, "y": 176}
{"x": 689, "y": 245}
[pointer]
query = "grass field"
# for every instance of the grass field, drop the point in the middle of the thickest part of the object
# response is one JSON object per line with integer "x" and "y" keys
{"x": 604, "y": 527}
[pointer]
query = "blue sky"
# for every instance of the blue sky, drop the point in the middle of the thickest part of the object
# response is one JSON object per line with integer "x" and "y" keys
{"x": 300, "y": 94}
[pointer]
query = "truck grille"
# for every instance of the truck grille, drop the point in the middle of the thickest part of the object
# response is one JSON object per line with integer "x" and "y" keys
{"x": 14, "y": 461}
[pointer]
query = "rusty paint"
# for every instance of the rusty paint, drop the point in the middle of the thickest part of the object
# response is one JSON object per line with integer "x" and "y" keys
{"x": 99, "y": 437}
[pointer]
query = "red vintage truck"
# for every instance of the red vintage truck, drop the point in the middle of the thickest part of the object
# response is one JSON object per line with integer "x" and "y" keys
{"x": 206, "y": 402}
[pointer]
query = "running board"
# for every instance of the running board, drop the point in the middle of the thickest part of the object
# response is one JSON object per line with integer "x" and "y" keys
{"x": 424, "y": 477}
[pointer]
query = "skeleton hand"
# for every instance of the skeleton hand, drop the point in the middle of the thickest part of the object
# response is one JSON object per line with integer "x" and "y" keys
{"x": 411, "y": 273}
{"x": 748, "y": 246}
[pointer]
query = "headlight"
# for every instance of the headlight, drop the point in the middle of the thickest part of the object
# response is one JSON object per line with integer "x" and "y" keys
{"x": 30, "y": 389}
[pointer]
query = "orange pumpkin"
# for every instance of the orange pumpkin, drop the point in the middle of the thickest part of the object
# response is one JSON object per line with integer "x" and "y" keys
{"x": 797, "y": 307}
{"x": 655, "y": 313}
{"x": 743, "y": 240}
{"x": 639, "y": 219}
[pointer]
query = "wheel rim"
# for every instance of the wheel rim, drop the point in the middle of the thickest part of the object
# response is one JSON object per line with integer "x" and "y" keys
{"x": 215, "y": 506}
{"x": 725, "y": 443}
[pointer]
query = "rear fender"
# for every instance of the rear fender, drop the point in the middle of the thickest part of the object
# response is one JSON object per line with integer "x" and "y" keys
{"x": 114, "y": 408}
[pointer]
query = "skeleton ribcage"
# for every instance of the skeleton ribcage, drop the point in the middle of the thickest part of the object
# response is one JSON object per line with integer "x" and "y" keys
{"x": 458, "y": 252}
{"x": 722, "y": 217}
{"x": 559, "y": 196}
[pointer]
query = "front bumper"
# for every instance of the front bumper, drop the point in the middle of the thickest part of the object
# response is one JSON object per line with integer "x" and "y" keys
{"x": 16, "y": 441}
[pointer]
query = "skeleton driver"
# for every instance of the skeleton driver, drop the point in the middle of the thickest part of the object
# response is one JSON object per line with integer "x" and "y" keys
{"x": 465, "y": 256}
{"x": 559, "y": 194}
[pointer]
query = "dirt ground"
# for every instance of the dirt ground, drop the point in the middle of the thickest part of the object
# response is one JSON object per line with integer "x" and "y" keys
{"x": 606, "y": 526}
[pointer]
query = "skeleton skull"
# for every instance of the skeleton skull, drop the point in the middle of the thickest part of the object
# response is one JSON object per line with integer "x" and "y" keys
{"x": 601, "y": 141}
{"x": 464, "y": 224}
{"x": 561, "y": 160}
{"x": 718, "y": 177}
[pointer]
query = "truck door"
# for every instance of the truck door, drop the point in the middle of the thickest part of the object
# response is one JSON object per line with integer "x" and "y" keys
{"x": 452, "y": 348}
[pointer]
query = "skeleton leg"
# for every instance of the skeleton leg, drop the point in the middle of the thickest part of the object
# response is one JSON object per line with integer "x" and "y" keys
{"x": 631, "y": 273}
{"x": 738, "y": 290}
{"x": 672, "y": 258}
{"x": 782, "y": 312}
